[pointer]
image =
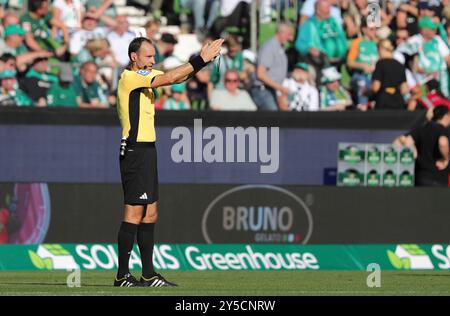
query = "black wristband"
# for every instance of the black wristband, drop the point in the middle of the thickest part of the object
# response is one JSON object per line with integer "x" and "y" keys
{"x": 197, "y": 63}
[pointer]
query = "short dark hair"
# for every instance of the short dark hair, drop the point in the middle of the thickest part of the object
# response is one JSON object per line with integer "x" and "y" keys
{"x": 7, "y": 56}
{"x": 86, "y": 63}
{"x": 136, "y": 44}
{"x": 34, "y": 5}
{"x": 439, "y": 112}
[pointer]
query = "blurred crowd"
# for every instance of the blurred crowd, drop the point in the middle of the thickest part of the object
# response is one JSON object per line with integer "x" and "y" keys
{"x": 329, "y": 55}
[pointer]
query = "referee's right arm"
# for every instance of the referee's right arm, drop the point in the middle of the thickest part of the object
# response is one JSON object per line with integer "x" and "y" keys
{"x": 184, "y": 72}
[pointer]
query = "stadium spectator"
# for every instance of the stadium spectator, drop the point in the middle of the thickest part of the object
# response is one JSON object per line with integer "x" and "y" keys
{"x": 388, "y": 80}
{"x": 178, "y": 99}
{"x": 152, "y": 29}
{"x": 63, "y": 93}
{"x": 37, "y": 81}
{"x": 308, "y": 10}
{"x": 39, "y": 70}
{"x": 119, "y": 38}
{"x": 432, "y": 98}
{"x": 69, "y": 12}
{"x": 302, "y": 95}
{"x": 8, "y": 61}
{"x": 90, "y": 94}
{"x": 99, "y": 51}
{"x": 89, "y": 30}
{"x": 321, "y": 40}
{"x": 431, "y": 142}
{"x": 37, "y": 23}
{"x": 10, "y": 94}
{"x": 233, "y": 59}
{"x": 401, "y": 36}
{"x": 407, "y": 16}
{"x": 14, "y": 40}
{"x": 272, "y": 68}
{"x": 361, "y": 59}
{"x": 10, "y": 18}
{"x": 164, "y": 48}
{"x": 433, "y": 54}
{"x": 333, "y": 96}
{"x": 234, "y": 17}
{"x": 232, "y": 98}
{"x": 13, "y": 44}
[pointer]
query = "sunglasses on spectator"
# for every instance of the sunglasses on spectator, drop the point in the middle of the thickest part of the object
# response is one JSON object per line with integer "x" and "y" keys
{"x": 232, "y": 80}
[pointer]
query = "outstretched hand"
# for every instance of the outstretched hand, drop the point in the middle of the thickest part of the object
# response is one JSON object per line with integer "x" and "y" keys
{"x": 211, "y": 50}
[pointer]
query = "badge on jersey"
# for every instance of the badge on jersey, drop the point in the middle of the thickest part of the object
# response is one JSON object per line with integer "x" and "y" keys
{"x": 143, "y": 72}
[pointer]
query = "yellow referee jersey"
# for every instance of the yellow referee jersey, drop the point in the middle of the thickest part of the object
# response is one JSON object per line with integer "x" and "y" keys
{"x": 136, "y": 105}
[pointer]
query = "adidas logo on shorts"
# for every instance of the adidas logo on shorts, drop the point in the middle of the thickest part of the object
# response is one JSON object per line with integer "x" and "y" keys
{"x": 143, "y": 196}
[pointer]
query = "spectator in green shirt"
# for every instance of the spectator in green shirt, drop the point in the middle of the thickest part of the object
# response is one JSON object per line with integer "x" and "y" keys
{"x": 179, "y": 99}
{"x": 37, "y": 81}
{"x": 13, "y": 44}
{"x": 39, "y": 70}
{"x": 37, "y": 23}
{"x": 164, "y": 48}
{"x": 232, "y": 60}
{"x": 321, "y": 40}
{"x": 63, "y": 93}
{"x": 333, "y": 96}
{"x": 361, "y": 60}
{"x": 89, "y": 92}
{"x": 10, "y": 94}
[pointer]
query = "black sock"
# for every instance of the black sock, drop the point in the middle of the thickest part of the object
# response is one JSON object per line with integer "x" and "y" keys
{"x": 146, "y": 243}
{"x": 125, "y": 242}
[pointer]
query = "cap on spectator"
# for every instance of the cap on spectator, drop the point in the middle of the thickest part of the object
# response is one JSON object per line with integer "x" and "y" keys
{"x": 65, "y": 72}
{"x": 168, "y": 38}
{"x": 179, "y": 87}
{"x": 427, "y": 23}
{"x": 7, "y": 74}
{"x": 423, "y": 4}
{"x": 14, "y": 29}
{"x": 330, "y": 74}
{"x": 429, "y": 5}
{"x": 303, "y": 66}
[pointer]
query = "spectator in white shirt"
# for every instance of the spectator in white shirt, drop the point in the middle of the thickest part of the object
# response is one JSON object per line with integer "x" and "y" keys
{"x": 231, "y": 98}
{"x": 69, "y": 13}
{"x": 302, "y": 95}
{"x": 89, "y": 31}
{"x": 119, "y": 38}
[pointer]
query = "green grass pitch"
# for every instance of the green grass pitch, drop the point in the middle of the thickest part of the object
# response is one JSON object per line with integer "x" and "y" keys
{"x": 236, "y": 283}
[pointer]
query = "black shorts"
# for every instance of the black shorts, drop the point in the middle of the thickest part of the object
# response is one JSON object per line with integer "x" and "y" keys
{"x": 138, "y": 170}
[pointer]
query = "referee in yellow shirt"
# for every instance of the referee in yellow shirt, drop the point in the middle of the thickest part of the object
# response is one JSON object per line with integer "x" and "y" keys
{"x": 138, "y": 165}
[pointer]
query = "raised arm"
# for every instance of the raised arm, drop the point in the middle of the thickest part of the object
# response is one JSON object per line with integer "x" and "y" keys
{"x": 184, "y": 72}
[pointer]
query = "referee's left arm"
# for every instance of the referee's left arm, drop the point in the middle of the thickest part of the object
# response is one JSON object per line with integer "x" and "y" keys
{"x": 183, "y": 72}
